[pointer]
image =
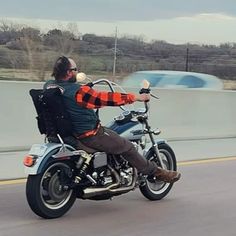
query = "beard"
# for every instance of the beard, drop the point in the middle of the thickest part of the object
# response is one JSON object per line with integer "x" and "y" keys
{"x": 72, "y": 79}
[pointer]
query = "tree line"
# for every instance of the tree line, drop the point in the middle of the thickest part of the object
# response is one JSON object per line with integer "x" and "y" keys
{"x": 24, "y": 47}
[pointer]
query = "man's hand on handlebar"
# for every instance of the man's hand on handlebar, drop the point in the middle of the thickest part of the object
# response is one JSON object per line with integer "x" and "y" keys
{"x": 144, "y": 97}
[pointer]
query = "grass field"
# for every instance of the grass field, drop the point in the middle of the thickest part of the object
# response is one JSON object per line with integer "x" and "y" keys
{"x": 19, "y": 74}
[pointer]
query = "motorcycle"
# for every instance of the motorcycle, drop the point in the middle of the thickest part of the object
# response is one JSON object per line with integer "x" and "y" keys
{"x": 58, "y": 173}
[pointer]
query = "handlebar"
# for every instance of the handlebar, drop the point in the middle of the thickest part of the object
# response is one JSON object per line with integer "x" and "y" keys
{"x": 145, "y": 89}
{"x": 106, "y": 81}
{"x": 110, "y": 84}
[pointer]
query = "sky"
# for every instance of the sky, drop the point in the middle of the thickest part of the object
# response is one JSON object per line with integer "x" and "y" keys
{"x": 174, "y": 21}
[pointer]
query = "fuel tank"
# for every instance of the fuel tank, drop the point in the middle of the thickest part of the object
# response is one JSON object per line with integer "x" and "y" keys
{"x": 131, "y": 130}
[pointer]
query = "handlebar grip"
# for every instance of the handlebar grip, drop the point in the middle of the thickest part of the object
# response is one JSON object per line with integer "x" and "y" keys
{"x": 90, "y": 84}
{"x": 144, "y": 90}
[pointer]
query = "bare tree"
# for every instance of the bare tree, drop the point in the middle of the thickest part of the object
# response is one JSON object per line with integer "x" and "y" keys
{"x": 32, "y": 56}
{"x": 61, "y": 41}
{"x": 8, "y": 31}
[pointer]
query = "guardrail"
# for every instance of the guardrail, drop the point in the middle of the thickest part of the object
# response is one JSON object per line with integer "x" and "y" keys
{"x": 181, "y": 114}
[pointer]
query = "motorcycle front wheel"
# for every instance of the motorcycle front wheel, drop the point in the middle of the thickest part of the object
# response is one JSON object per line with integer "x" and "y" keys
{"x": 152, "y": 188}
{"x": 46, "y": 193}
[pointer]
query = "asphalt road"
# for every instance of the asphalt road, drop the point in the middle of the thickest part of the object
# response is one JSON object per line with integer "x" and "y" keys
{"x": 202, "y": 203}
{"x": 11, "y": 165}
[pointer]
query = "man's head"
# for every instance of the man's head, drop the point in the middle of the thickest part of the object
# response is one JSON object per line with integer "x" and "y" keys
{"x": 65, "y": 69}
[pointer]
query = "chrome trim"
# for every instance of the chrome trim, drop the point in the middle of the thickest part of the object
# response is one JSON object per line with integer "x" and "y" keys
{"x": 113, "y": 188}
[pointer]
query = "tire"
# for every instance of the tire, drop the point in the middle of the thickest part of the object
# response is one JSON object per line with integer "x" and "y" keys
{"x": 153, "y": 189}
{"x": 44, "y": 194}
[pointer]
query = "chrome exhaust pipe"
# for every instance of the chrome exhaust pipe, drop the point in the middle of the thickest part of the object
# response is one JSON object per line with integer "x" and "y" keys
{"x": 112, "y": 189}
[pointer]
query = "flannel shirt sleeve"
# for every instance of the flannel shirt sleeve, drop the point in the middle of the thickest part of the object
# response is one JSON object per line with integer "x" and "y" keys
{"x": 92, "y": 99}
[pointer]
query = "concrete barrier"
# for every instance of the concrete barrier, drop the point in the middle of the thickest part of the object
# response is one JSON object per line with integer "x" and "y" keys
{"x": 180, "y": 114}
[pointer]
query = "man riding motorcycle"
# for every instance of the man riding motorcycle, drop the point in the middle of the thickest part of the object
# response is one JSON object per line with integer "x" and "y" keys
{"x": 80, "y": 100}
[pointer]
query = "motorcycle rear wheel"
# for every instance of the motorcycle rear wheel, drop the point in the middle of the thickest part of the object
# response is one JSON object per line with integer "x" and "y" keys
{"x": 45, "y": 194}
{"x": 152, "y": 188}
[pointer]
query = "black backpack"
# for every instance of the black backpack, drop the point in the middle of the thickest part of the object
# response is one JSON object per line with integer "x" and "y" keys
{"x": 52, "y": 117}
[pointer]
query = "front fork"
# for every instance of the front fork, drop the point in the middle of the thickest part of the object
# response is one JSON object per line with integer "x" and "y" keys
{"x": 156, "y": 150}
{"x": 154, "y": 144}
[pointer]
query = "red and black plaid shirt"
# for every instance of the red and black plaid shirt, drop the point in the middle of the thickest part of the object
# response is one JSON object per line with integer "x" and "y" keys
{"x": 91, "y": 99}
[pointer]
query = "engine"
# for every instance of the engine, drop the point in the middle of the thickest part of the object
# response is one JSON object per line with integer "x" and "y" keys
{"x": 108, "y": 169}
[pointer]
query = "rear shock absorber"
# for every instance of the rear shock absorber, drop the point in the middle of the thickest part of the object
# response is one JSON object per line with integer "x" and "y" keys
{"x": 82, "y": 165}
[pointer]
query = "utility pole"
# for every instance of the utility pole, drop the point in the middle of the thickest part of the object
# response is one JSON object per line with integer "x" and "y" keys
{"x": 186, "y": 67}
{"x": 115, "y": 51}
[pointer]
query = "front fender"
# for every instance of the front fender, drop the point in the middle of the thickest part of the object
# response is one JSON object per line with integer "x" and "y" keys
{"x": 148, "y": 151}
{"x": 44, "y": 153}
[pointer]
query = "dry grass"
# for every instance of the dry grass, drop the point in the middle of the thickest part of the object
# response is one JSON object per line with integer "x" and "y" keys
{"x": 19, "y": 74}
{"x": 230, "y": 84}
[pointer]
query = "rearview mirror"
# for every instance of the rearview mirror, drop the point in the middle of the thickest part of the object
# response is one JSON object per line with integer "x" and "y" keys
{"x": 145, "y": 84}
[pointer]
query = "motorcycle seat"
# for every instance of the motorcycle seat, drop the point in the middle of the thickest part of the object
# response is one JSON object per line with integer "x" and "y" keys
{"x": 80, "y": 145}
{"x": 74, "y": 142}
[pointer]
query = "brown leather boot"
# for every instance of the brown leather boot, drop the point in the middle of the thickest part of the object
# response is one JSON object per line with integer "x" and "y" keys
{"x": 167, "y": 176}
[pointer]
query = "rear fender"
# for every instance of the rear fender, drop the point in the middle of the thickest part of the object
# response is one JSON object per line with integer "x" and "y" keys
{"x": 44, "y": 153}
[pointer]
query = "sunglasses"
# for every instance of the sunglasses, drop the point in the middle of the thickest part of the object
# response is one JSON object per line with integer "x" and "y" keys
{"x": 73, "y": 69}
